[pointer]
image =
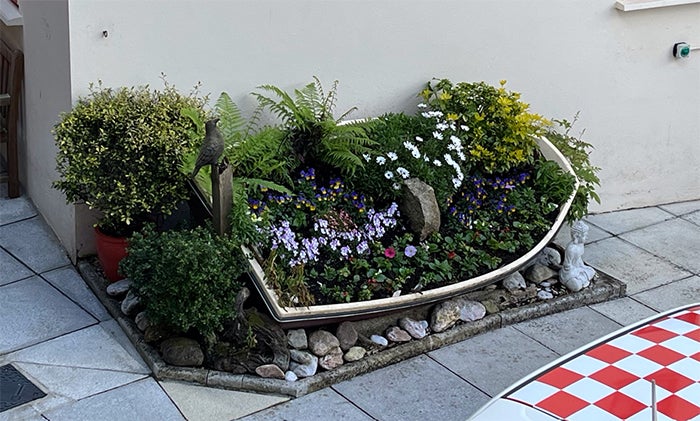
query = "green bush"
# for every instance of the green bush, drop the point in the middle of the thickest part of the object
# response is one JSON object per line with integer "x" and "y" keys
{"x": 120, "y": 150}
{"x": 186, "y": 279}
{"x": 501, "y": 132}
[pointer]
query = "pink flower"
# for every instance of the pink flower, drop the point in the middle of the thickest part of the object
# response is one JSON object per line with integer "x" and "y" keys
{"x": 389, "y": 252}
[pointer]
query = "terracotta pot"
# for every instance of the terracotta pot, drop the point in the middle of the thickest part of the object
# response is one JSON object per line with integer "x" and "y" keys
{"x": 110, "y": 251}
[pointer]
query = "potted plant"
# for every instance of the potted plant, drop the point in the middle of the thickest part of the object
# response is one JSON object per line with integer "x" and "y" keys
{"x": 119, "y": 151}
{"x": 340, "y": 244}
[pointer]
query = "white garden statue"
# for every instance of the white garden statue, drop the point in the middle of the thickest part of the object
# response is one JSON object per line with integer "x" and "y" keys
{"x": 574, "y": 274}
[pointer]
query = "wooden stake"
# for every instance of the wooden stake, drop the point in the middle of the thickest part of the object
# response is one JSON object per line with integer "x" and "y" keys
{"x": 222, "y": 197}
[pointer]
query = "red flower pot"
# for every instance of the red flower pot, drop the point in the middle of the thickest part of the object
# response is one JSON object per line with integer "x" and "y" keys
{"x": 110, "y": 251}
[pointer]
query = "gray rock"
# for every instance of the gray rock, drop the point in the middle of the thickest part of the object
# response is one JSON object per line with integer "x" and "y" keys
{"x": 379, "y": 340}
{"x": 545, "y": 284}
{"x": 270, "y": 371}
{"x": 290, "y": 376}
{"x": 355, "y": 353}
{"x": 347, "y": 335}
{"x": 514, "y": 281}
{"x": 549, "y": 257}
{"x": 296, "y": 338}
{"x": 131, "y": 304}
{"x": 301, "y": 357}
{"x": 446, "y": 314}
{"x": 182, "y": 352}
{"x": 544, "y": 295}
{"x": 417, "y": 329}
{"x": 321, "y": 342}
{"x": 538, "y": 273}
{"x": 333, "y": 359}
{"x": 307, "y": 369}
{"x": 142, "y": 321}
{"x": 396, "y": 334}
{"x": 119, "y": 289}
{"x": 420, "y": 207}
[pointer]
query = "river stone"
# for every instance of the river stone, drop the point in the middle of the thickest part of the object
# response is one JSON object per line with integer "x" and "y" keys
{"x": 514, "y": 281}
{"x": 304, "y": 365}
{"x": 549, "y": 257}
{"x": 321, "y": 342}
{"x": 333, "y": 359}
{"x": 119, "y": 289}
{"x": 446, "y": 314}
{"x": 270, "y": 371}
{"x": 142, "y": 321}
{"x": 355, "y": 353}
{"x": 131, "y": 304}
{"x": 379, "y": 340}
{"x": 290, "y": 376}
{"x": 182, "y": 352}
{"x": 296, "y": 338}
{"x": 420, "y": 207}
{"x": 347, "y": 335}
{"x": 538, "y": 273}
{"x": 396, "y": 334}
{"x": 545, "y": 295}
{"x": 417, "y": 329}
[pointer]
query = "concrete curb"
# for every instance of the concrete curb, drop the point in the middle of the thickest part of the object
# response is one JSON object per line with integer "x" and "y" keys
{"x": 603, "y": 289}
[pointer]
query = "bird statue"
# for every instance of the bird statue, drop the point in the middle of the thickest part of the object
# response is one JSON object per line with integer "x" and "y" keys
{"x": 212, "y": 147}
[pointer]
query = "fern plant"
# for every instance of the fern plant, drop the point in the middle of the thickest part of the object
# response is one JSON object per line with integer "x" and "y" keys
{"x": 312, "y": 134}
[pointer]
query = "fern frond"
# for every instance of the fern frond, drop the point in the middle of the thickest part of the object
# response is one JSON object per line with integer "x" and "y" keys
{"x": 231, "y": 121}
{"x": 345, "y": 114}
{"x": 330, "y": 99}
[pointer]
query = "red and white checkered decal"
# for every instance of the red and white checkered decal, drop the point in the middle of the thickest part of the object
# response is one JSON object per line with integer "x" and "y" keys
{"x": 612, "y": 381}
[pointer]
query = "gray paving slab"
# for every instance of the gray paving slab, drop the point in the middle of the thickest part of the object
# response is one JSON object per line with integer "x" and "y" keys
{"x": 143, "y": 400}
{"x": 115, "y": 331}
{"x": 637, "y": 268}
{"x": 32, "y": 311}
{"x": 13, "y": 210}
{"x": 76, "y": 383}
{"x": 198, "y": 403}
{"x": 564, "y": 332}
{"x": 11, "y": 269}
{"x": 628, "y": 220}
{"x": 685, "y": 291}
{"x": 693, "y": 217}
{"x": 33, "y": 243}
{"x": 415, "y": 389}
{"x": 505, "y": 354}
{"x": 676, "y": 240}
{"x": 624, "y": 311}
{"x": 92, "y": 348}
{"x": 682, "y": 208}
{"x": 563, "y": 236}
{"x": 69, "y": 282}
{"x": 326, "y": 404}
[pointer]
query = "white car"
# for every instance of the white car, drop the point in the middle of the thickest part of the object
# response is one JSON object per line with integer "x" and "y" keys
{"x": 646, "y": 371}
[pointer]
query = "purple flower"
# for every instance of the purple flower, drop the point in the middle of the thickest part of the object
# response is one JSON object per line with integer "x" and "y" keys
{"x": 410, "y": 251}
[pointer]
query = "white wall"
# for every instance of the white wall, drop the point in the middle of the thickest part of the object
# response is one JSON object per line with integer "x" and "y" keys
{"x": 47, "y": 94}
{"x": 639, "y": 106}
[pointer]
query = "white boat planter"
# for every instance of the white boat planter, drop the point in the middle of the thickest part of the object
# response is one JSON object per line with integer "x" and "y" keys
{"x": 362, "y": 309}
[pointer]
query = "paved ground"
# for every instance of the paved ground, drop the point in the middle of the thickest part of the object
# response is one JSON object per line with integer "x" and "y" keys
{"x": 54, "y": 331}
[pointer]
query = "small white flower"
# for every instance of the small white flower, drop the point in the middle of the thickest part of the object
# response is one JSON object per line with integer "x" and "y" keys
{"x": 461, "y": 156}
{"x": 437, "y": 135}
{"x": 415, "y": 153}
{"x": 426, "y": 158}
{"x": 403, "y": 172}
{"x": 366, "y": 157}
{"x": 419, "y": 139}
{"x": 465, "y": 128}
{"x": 456, "y": 182}
{"x": 421, "y": 105}
{"x": 381, "y": 160}
{"x": 389, "y": 175}
{"x": 442, "y": 126}
{"x": 396, "y": 186}
{"x": 392, "y": 156}
{"x": 437, "y": 163}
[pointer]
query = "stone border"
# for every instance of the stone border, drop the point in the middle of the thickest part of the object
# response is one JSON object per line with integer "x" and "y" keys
{"x": 603, "y": 289}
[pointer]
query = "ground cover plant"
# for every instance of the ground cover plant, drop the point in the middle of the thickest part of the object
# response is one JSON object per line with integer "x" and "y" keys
{"x": 338, "y": 234}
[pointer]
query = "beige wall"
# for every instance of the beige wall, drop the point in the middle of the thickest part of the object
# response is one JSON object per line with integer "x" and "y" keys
{"x": 640, "y": 107}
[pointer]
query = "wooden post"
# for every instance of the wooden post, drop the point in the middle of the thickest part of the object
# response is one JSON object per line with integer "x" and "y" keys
{"x": 222, "y": 197}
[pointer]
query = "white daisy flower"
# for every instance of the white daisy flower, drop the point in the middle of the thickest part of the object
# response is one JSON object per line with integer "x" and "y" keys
{"x": 389, "y": 175}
